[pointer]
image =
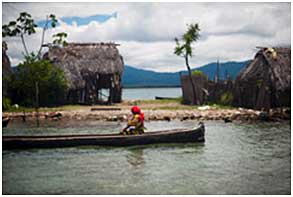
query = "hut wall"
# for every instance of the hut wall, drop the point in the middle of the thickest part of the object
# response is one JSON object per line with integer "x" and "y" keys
{"x": 265, "y": 83}
{"x": 249, "y": 95}
{"x": 284, "y": 98}
{"x": 199, "y": 82}
{"x": 202, "y": 86}
{"x": 217, "y": 89}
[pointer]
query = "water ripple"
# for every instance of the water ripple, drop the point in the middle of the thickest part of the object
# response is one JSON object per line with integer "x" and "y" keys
{"x": 237, "y": 158}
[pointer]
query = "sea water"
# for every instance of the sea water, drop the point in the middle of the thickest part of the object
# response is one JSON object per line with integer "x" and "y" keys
{"x": 237, "y": 158}
{"x": 150, "y": 93}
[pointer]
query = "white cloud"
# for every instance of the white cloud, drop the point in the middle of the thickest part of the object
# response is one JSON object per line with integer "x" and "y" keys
{"x": 229, "y": 31}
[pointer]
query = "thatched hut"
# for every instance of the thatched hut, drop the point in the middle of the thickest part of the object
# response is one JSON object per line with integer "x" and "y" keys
{"x": 89, "y": 68}
{"x": 6, "y": 67}
{"x": 266, "y": 82}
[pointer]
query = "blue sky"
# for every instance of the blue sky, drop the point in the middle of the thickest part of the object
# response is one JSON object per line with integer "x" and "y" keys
{"x": 101, "y": 18}
{"x": 146, "y": 31}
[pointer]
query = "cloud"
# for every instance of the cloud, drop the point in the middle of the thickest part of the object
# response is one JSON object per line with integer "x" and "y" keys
{"x": 146, "y": 31}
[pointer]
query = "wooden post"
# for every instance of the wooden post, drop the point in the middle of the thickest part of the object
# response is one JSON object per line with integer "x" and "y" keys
{"x": 23, "y": 116}
{"x": 117, "y": 89}
{"x": 110, "y": 101}
{"x": 37, "y": 103}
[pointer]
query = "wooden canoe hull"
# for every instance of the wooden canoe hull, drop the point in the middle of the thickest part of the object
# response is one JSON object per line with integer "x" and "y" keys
{"x": 172, "y": 136}
{"x": 164, "y": 98}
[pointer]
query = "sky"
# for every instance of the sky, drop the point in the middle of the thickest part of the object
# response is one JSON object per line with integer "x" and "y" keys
{"x": 146, "y": 31}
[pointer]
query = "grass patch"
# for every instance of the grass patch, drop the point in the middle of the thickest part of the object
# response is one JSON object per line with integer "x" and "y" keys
{"x": 45, "y": 109}
{"x": 66, "y": 108}
{"x": 20, "y": 109}
{"x": 219, "y": 106}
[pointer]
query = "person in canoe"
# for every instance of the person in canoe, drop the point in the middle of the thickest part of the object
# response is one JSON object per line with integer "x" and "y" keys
{"x": 136, "y": 124}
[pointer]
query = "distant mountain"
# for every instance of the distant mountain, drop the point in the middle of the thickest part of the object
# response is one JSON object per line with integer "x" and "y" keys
{"x": 228, "y": 68}
{"x": 133, "y": 77}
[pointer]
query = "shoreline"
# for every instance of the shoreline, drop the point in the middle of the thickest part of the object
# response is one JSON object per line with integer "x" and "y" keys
{"x": 107, "y": 113}
{"x": 138, "y": 87}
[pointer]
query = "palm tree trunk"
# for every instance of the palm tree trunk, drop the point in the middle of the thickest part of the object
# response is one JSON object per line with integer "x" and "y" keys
{"x": 24, "y": 45}
{"x": 43, "y": 37}
{"x": 194, "y": 100}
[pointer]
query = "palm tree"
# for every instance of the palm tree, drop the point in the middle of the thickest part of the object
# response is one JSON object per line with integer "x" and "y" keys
{"x": 185, "y": 50}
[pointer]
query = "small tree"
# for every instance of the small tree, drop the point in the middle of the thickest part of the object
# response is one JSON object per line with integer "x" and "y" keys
{"x": 25, "y": 25}
{"x": 35, "y": 73}
{"x": 51, "y": 81}
{"x": 185, "y": 50}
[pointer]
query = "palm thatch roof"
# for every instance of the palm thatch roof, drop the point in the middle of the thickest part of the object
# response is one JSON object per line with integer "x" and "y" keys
{"x": 266, "y": 81}
{"x": 78, "y": 60}
{"x": 278, "y": 62}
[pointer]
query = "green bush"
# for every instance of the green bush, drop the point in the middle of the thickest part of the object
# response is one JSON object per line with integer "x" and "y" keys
{"x": 259, "y": 83}
{"x": 51, "y": 80}
{"x": 226, "y": 98}
{"x": 199, "y": 73}
{"x": 6, "y": 104}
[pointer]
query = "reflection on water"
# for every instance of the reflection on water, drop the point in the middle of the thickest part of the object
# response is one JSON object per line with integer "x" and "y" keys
{"x": 235, "y": 159}
{"x": 135, "y": 157}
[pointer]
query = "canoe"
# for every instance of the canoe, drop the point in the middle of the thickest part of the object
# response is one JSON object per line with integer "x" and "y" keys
{"x": 165, "y": 98}
{"x": 5, "y": 122}
{"x": 58, "y": 141}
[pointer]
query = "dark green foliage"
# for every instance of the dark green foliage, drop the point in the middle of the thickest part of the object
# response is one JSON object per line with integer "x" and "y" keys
{"x": 6, "y": 103}
{"x": 259, "y": 83}
{"x": 51, "y": 81}
{"x": 24, "y": 24}
{"x": 60, "y": 39}
{"x": 53, "y": 20}
{"x": 226, "y": 98}
{"x": 192, "y": 35}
